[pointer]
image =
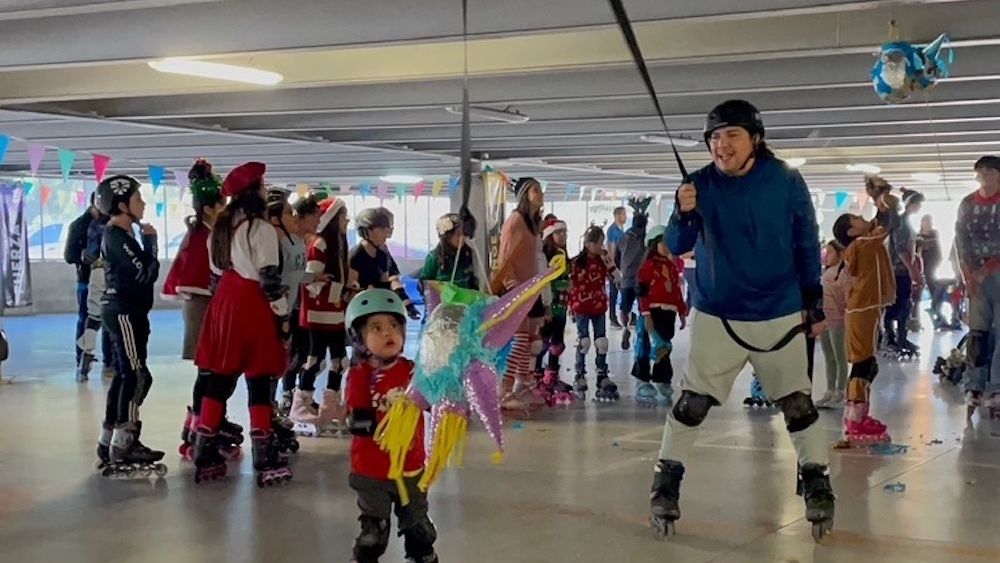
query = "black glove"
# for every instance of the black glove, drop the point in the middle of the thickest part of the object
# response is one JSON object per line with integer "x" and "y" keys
{"x": 362, "y": 422}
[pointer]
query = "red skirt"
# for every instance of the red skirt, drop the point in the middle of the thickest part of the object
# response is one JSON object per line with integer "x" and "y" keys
{"x": 240, "y": 334}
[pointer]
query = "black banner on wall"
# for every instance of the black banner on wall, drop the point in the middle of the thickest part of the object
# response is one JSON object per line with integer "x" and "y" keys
{"x": 15, "y": 272}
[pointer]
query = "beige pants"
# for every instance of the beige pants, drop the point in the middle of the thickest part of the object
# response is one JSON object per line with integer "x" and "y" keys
{"x": 716, "y": 359}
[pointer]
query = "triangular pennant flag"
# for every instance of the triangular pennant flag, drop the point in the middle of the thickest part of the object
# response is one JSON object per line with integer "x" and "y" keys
{"x": 400, "y": 192}
{"x": 29, "y": 187}
{"x": 364, "y": 189}
{"x": 383, "y": 192}
{"x": 345, "y": 188}
{"x": 571, "y": 190}
{"x": 46, "y": 195}
{"x": 156, "y": 174}
{"x": 101, "y": 163}
{"x": 418, "y": 189}
{"x": 36, "y": 152}
{"x": 81, "y": 198}
{"x": 436, "y": 190}
{"x": 840, "y": 199}
{"x": 583, "y": 190}
{"x": 159, "y": 209}
{"x": 302, "y": 190}
{"x": 452, "y": 184}
{"x": 4, "y": 143}
{"x": 66, "y": 160}
{"x": 181, "y": 179}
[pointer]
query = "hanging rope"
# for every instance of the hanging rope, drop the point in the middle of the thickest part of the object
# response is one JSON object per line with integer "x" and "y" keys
{"x": 626, "y": 27}
{"x": 468, "y": 220}
{"x": 937, "y": 144}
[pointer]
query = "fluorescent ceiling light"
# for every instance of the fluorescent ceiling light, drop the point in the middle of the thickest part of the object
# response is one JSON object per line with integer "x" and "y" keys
{"x": 679, "y": 140}
{"x": 866, "y": 168}
{"x": 218, "y": 71}
{"x": 400, "y": 179}
{"x": 929, "y": 177}
{"x": 505, "y": 115}
{"x": 795, "y": 162}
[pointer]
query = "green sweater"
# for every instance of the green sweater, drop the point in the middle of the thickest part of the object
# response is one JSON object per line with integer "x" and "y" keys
{"x": 560, "y": 287}
{"x": 465, "y": 275}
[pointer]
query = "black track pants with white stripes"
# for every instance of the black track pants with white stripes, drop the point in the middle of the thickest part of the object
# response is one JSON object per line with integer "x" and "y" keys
{"x": 129, "y": 340}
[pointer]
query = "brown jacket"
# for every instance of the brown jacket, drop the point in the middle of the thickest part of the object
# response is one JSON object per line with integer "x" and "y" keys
{"x": 873, "y": 284}
{"x": 519, "y": 251}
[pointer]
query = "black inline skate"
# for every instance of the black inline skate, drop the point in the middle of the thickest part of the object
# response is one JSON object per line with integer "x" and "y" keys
{"x": 607, "y": 390}
{"x": 664, "y": 497}
{"x": 128, "y": 457}
{"x": 209, "y": 463}
{"x": 580, "y": 386}
{"x": 906, "y": 351}
{"x": 815, "y": 489}
{"x": 286, "y": 438}
{"x": 272, "y": 467}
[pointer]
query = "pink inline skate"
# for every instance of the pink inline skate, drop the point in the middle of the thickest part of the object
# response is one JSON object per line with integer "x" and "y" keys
{"x": 861, "y": 429}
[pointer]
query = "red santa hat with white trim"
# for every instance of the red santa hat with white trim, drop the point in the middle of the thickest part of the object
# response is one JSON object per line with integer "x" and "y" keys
{"x": 329, "y": 208}
{"x": 551, "y": 225}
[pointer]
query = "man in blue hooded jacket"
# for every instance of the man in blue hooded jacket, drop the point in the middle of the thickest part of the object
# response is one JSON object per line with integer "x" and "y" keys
{"x": 751, "y": 223}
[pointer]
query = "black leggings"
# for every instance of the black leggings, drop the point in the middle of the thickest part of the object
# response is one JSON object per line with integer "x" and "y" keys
{"x": 322, "y": 342}
{"x": 129, "y": 341}
{"x": 217, "y": 392}
{"x": 297, "y": 353}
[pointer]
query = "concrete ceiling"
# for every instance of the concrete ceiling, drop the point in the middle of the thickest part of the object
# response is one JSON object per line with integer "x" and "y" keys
{"x": 366, "y": 84}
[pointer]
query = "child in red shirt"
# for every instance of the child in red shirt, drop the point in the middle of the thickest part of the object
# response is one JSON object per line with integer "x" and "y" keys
{"x": 661, "y": 301}
{"x": 376, "y": 321}
{"x": 588, "y": 301}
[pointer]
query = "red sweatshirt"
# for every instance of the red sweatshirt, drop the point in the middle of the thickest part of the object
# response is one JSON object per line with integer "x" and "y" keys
{"x": 190, "y": 273}
{"x": 660, "y": 285}
{"x": 369, "y": 388}
{"x": 588, "y": 295}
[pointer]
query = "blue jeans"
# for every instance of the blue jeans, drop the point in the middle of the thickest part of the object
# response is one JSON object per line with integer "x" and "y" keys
{"x": 600, "y": 341}
{"x": 81, "y": 316}
{"x": 984, "y": 316}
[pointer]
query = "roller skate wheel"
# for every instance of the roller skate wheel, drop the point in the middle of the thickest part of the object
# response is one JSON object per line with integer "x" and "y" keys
{"x": 293, "y": 446}
{"x": 820, "y": 529}
{"x": 160, "y": 470}
{"x": 662, "y": 527}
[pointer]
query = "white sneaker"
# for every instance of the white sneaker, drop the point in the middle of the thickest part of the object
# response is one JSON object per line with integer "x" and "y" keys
{"x": 824, "y": 402}
{"x": 836, "y": 400}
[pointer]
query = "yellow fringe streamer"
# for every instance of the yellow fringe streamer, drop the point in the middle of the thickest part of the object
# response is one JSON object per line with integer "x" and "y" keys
{"x": 448, "y": 448}
{"x": 394, "y": 435}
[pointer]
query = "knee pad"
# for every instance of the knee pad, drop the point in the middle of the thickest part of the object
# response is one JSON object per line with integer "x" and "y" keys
{"x": 220, "y": 387}
{"x": 374, "y": 538}
{"x": 799, "y": 411}
{"x": 259, "y": 391}
{"x": 537, "y": 346}
{"x": 692, "y": 408}
{"x": 94, "y": 323}
{"x": 866, "y": 369}
{"x": 557, "y": 349}
{"x": 602, "y": 345}
{"x": 583, "y": 346}
{"x": 977, "y": 348}
{"x": 143, "y": 381}
{"x": 418, "y": 539}
{"x": 338, "y": 365}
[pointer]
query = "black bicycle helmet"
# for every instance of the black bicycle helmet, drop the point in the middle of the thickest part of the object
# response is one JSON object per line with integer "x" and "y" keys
{"x": 734, "y": 113}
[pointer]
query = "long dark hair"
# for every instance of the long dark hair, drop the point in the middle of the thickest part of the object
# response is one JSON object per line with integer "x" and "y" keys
{"x": 592, "y": 234}
{"x": 550, "y": 248}
{"x": 253, "y": 206}
{"x": 447, "y": 254}
{"x": 336, "y": 249}
{"x": 532, "y": 220}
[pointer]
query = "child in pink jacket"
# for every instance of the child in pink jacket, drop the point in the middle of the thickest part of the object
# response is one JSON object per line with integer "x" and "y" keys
{"x": 835, "y": 281}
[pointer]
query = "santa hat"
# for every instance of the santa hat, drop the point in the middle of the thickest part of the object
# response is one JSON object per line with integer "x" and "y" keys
{"x": 243, "y": 177}
{"x": 329, "y": 208}
{"x": 552, "y": 225}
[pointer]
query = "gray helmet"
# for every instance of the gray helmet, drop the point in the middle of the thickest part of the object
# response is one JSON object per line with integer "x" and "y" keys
{"x": 114, "y": 190}
{"x": 373, "y": 218}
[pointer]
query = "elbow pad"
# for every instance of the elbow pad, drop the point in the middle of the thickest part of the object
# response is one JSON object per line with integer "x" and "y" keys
{"x": 270, "y": 282}
{"x": 643, "y": 290}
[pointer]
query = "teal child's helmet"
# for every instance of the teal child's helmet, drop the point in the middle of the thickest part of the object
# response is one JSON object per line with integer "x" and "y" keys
{"x": 654, "y": 233}
{"x": 372, "y": 302}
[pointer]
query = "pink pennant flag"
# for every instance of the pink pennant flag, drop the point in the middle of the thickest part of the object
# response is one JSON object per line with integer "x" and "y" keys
{"x": 383, "y": 192}
{"x": 46, "y": 195}
{"x": 36, "y": 152}
{"x": 418, "y": 189}
{"x": 81, "y": 198}
{"x": 101, "y": 163}
{"x": 181, "y": 179}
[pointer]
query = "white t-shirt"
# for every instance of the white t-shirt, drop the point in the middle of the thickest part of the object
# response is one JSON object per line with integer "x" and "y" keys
{"x": 250, "y": 253}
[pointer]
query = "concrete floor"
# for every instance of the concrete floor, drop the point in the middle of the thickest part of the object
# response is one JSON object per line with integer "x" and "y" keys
{"x": 573, "y": 485}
